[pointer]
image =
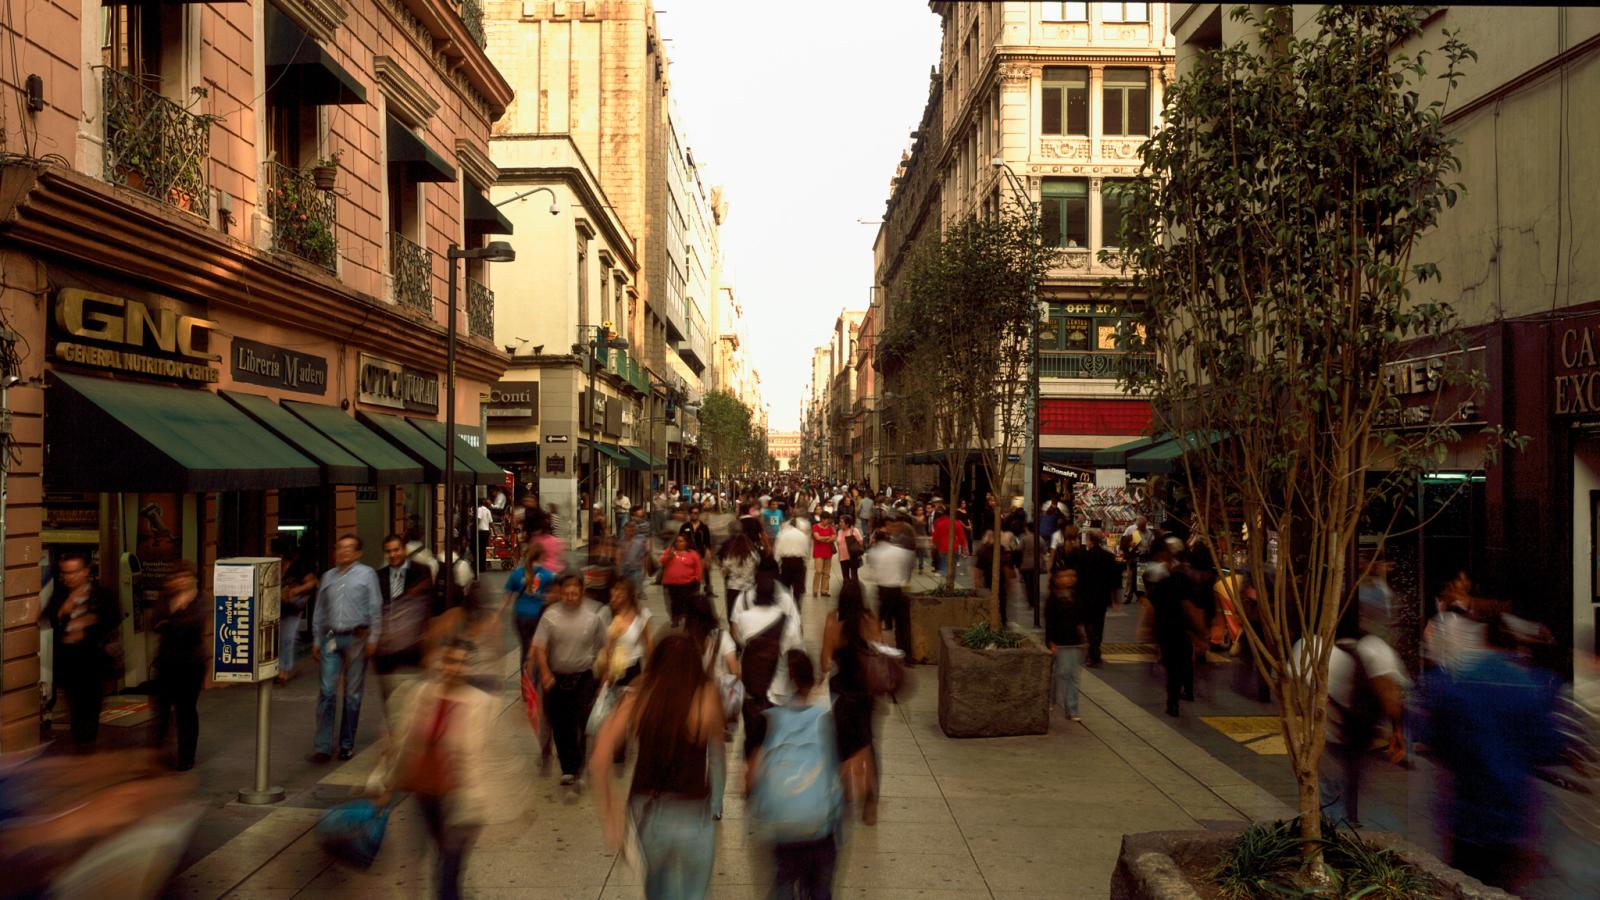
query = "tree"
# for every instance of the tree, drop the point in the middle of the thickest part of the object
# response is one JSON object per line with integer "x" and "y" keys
{"x": 1270, "y": 239}
{"x": 963, "y": 338}
{"x": 724, "y": 433}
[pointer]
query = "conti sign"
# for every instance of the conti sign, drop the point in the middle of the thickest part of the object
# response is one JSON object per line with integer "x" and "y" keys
{"x": 142, "y": 337}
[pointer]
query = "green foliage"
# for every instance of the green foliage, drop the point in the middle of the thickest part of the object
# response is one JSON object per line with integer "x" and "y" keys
{"x": 1265, "y": 862}
{"x": 982, "y": 637}
{"x": 725, "y": 432}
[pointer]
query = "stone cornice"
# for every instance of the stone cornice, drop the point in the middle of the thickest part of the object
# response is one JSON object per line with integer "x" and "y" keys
{"x": 62, "y": 213}
{"x": 320, "y": 18}
{"x": 476, "y": 163}
{"x": 436, "y": 28}
{"x": 406, "y": 96}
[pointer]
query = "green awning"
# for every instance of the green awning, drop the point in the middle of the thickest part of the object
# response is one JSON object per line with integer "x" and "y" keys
{"x": 1070, "y": 455}
{"x": 106, "y": 435}
{"x": 1117, "y": 457}
{"x": 298, "y": 66}
{"x": 339, "y": 466}
{"x": 484, "y": 214}
{"x": 416, "y": 445}
{"x": 484, "y": 470}
{"x": 389, "y": 466}
{"x": 1162, "y": 458}
{"x": 417, "y": 158}
{"x": 642, "y": 461}
{"x": 610, "y": 451}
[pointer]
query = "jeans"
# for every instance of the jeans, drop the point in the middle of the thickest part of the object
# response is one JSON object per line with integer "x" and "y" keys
{"x": 717, "y": 764}
{"x": 895, "y": 613}
{"x": 792, "y": 572}
{"x": 288, "y": 638}
{"x": 453, "y": 842}
{"x": 805, "y": 870}
{"x": 678, "y": 842}
{"x": 1069, "y": 665}
{"x": 349, "y": 658}
{"x": 567, "y": 705}
{"x": 177, "y": 694}
{"x": 1342, "y": 777}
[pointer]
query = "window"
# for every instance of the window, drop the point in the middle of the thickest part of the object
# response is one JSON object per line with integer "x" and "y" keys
{"x": 1090, "y": 328}
{"x": 1126, "y": 100}
{"x": 1064, "y": 212}
{"x": 1124, "y": 12}
{"x": 1066, "y": 12}
{"x": 1066, "y": 101}
{"x": 1113, "y": 209}
{"x": 583, "y": 293}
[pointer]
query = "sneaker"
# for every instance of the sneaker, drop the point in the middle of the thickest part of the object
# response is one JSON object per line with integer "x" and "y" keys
{"x": 568, "y": 780}
{"x": 346, "y": 753}
{"x": 319, "y": 757}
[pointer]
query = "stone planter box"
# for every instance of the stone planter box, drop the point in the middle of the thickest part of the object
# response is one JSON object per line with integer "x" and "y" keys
{"x": 993, "y": 693}
{"x": 930, "y": 613}
{"x": 1157, "y": 865}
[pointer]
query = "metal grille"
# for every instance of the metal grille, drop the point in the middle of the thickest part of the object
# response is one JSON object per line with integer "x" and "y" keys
{"x": 480, "y": 310}
{"x": 1091, "y": 365}
{"x": 412, "y": 270}
{"x": 304, "y": 220}
{"x": 472, "y": 17}
{"x": 155, "y": 146}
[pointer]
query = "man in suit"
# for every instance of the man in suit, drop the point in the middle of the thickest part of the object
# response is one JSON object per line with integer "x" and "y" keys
{"x": 85, "y": 617}
{"x": 408, "y": 582}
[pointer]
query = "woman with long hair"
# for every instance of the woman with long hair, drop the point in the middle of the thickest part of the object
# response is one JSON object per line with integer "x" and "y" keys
{"x": 676, "y": 716}
{"x": 525, "y": 593}
{"x": 849, "y": 630}
{"x": 628, "y": 640}
{"x": 850, "y": 563}
{"x": 721, "y": 659}
{"x": 738, "y": 559}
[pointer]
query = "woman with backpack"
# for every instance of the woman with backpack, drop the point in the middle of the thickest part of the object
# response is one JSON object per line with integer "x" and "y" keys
{"x": 766, "y": 623}
{"x": 722, "y": 664}
{"x": 676, "y": 717}
{"x": 848, "y": 634}
{"x": 851, "y": 546}
{"x": 793, "y": 783}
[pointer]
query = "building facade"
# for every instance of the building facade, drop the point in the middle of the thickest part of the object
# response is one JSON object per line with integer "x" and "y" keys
{"x": 784, "y": 446}
{"x": 224, "y": 235}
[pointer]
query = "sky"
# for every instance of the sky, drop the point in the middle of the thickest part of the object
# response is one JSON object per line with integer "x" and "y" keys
{"x": 800, "y": 111}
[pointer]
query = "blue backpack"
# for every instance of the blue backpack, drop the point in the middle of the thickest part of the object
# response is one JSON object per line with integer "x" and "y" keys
{"x": 797, "y": 794}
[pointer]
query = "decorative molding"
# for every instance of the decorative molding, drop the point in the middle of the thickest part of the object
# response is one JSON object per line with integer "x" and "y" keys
{"x": 320, "y": 18}
{"x": 1111, "y": 148}
{"x": 476, "y": 164}
{"x": 412, "y": 103}
{"x": 1115, "y": 259}
{"x": 584, "y": 228}
{"x": 1069, "y": 148}
{"x": 1075, "y": 259}
{"x": 1115, "y": 171}
{"x": 449, "y": 66}
{"x": 1015, "y": 75}
{"x": 606, "y": 259}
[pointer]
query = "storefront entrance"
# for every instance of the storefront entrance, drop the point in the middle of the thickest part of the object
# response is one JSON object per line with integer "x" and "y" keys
{"x": 1585, "y": 555}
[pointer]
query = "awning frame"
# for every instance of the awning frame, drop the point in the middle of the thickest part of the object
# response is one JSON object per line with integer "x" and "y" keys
{"x": 297, "y": 64}
{"x": 481, "y": 212}
{"x": 412, "y": 153}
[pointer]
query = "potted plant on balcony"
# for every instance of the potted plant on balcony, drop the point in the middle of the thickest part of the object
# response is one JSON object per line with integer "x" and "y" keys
{"x": 325, "y": 174}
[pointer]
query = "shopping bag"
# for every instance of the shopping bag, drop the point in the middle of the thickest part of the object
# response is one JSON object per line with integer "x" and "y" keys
{"x": 530, "y": 697}
{"x": 353, "y": 831}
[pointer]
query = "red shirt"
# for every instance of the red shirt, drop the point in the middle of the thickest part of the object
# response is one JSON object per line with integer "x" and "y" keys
{"x": 680, "y": 568}
{"x": 822, "y": 541}
{"x": 941, "y": 535}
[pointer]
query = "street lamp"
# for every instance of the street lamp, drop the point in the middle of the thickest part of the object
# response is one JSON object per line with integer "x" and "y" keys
{"x": 602, "y": 340}
{"x": 494, "y": 251}
{"x": 1025, "y": 199}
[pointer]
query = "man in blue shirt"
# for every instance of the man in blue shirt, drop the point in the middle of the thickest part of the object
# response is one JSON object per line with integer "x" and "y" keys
{"x": 772, "y": 517}
{"x": 344, "y": 629}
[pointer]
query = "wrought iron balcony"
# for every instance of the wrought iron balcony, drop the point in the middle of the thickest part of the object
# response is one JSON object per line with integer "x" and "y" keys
{"x": 155, "y": 146}
{"x": 411, "y": 267}
{"x": 480, "y": 310}
{"x": 1054, "y": 364}
{"x": 472, "y": 17}
{"x": 304, "y": 220}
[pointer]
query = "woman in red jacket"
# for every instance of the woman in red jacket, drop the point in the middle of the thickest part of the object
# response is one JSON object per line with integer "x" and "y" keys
{"x": 681, "y": 573}
{"x": 822, "y": 540}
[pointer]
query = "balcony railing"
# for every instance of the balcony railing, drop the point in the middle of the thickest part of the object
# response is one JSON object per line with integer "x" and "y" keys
{"x": 304, "y": 220}
{"x": 412, "y": 270}
{"x": 1054, "y": 364}
{"x": 472, "y": 17}
{"x": 155, "y": 146}
{"x": 480, "y": 310}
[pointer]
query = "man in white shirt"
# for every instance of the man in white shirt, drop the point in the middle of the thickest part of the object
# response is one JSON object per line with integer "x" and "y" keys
{"x": 485, "y": 525}
{"x": 792, "y": 549}
{"x": 1366, "y": 682}
{"x": 623, "y": 509}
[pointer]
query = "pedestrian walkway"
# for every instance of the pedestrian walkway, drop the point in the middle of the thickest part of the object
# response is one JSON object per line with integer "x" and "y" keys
{"x": 1028, "y": 817}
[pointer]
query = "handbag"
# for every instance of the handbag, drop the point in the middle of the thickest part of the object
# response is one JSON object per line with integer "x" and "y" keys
{"x": 601, "y": 710}
{"x": 883, "y": 669}
{"x": 352, "y": 832}
{"x": 731, "y": 690}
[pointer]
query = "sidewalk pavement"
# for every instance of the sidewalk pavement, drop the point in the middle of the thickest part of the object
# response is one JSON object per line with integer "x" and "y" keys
{"x": 1028, "y": 817}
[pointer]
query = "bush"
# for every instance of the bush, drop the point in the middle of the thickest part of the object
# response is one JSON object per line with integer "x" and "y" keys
{"x": 1265, "y": 862}
{"x": 982, "y": 637}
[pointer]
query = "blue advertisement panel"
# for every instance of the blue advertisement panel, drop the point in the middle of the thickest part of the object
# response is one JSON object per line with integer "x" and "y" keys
{"x": 232, "y": 650}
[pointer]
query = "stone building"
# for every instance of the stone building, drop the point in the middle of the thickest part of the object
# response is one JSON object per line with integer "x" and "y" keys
{"x": 224, "y": 233}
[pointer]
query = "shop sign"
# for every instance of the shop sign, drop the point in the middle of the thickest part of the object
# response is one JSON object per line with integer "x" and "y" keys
{"x": 513, "y": 400}
{"x": 555, "y": 439}
{"x": 135, "y": 336}
{"x": 1432, "y": 390}
{"x": 555, "y": 464}
{"x": 1576, "y": 358}
{"x": 278, "y": 367}
{"x": 380, "y": 382}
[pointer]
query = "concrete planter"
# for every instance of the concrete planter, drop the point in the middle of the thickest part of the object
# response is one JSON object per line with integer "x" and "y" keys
{"x": 929, "y": 613}
{"x": 1157, "y": 865}
{"x": 993, "y": 693}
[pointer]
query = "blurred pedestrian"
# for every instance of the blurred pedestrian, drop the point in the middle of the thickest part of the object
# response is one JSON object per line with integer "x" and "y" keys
{"x": 850, "y": 631}
{"x": 299, "y": 585}
{"x": 628, "y": 637}
{"x": 85, "y": 619}
{"x": 345, "y": 627}
{"x": 1366, "y": 685}
{"x": 1172, "y": 614}
{"x": 436, "y": 753}
{"x": 681, "y": 569}
{"x": 792, "y": 550}
{"x": 795, "y": 789}
{"x": 738, "y": 560}
{"x": 889, "y": 565}
{"x": 699, "y": 534}
{"x": 766, "y": 624}
{"x": 721, "y": 658}
{"x": 1066, "y": 637}
{"x": 180, "y": 660}
{"x": 675, "y": 716}
{"x": 569, "y": 638}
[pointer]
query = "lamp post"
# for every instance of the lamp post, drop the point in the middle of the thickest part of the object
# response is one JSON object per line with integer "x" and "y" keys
{"x": 494, "y": 251}
{"x": 602, "y": 339}
{"x": 1025, "y": 198}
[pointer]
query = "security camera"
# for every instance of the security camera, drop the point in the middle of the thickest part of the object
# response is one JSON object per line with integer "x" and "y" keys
{"x": 554, "y": 209}
{"x": 511, "y": 349}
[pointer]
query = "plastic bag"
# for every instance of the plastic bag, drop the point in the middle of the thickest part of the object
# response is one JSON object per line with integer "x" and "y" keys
{"x": 352, "y": 832}
{"x": 603, "y": 705}
{"x": 530, "y": 697}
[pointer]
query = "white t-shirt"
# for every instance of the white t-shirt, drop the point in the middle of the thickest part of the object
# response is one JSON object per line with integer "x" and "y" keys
{"x": 624, "y": 504}
{"x": 1378, "y": 658}
{"x": 485, "y": 519}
